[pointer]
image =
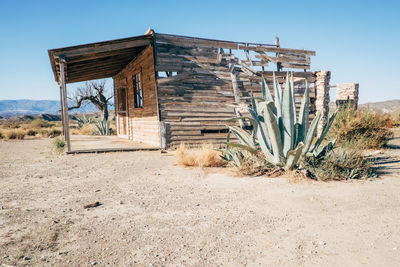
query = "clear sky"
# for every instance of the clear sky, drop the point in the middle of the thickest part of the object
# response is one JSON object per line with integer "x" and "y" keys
{"x": 359, "y": 41}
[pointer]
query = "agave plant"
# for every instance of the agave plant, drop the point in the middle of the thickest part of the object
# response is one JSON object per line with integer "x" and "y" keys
{"x": 283, "y": 137}
{"x": 103, "y": 127}
{"x": 83, "y": 120}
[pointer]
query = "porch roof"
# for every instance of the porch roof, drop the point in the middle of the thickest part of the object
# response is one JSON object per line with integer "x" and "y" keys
{"x": 96, "y": 60}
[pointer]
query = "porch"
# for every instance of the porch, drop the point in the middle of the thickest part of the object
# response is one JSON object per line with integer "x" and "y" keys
{"x": 102, "y": 143}
{"x": 90, "y": 62}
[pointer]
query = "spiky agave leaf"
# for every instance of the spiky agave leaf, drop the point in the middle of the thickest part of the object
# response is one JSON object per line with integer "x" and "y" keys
{"x": 311, "y": 133}
{"x": 243, "y": 136}
{"x": 242, "y": 146}
{"x": 304, "y": 115}
{"x": 260, "y": 130}
{"x": 273, "y": 132}
{"x": 293, "y": 157}
{"x": 288, "y": 118}
{"x": 325, "y": 130}
{"x": 266, "y": 94}
{"x": 277, "y": 95}
{"x": 293, "y": 96}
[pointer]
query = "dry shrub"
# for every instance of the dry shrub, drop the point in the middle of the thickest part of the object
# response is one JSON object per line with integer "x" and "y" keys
{"x": 59, "y": 144}
{"x": 256, "y": 165}
{"x": 1, "y": 135}
{"x": 199, "y": 157}
{"x": 54, "y": 133}
{"x": 340, "y": 165}
{"x": 361, "y": 128}
{"x": 31, "y": 132}
{"x": 14, "y": 134}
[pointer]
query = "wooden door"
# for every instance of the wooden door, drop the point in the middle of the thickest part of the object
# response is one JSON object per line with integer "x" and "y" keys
{"x": 122, "y": 112}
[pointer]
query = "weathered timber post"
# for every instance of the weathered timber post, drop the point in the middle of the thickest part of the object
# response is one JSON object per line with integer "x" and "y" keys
{"x": 235, "y": 91}
{"x": 62, "y": 111}
{"x": 64, "y": 104}
{"x": 322, "y": 96}
{"x": 163, "y": 135}
{"x": 278, "y": 64}
{"x": 347, "y": 94}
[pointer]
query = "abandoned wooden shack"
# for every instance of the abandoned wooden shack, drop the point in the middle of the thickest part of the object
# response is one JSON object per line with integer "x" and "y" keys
{"x": 171, "y": 89}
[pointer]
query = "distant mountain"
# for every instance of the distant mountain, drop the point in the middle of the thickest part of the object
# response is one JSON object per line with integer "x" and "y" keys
{"x": 28, "y": 107}
{"x": 9, "y": 108}
{"x": 388, "y": 106}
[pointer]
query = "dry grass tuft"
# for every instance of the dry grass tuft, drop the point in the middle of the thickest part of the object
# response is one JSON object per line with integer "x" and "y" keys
{"x": 10, "y": 134}
{"x": 205, "y": 156}
{"x": 86, "y": 129}
{"x": 40, "y": 123}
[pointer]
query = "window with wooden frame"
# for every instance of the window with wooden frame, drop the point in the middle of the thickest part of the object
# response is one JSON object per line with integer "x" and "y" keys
{"x": 138, "y": 89}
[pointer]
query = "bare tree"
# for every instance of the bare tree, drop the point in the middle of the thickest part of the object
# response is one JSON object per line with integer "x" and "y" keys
{"x": 94, "y": 92}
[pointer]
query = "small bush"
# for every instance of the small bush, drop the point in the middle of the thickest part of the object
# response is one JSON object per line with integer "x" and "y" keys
{"x": 44, "y": 132}
{"x": 59, "y": 144}
{"x": 340, "y": 165}
{"x": 31, "y": 132}
{"x": 200, "y": 157}
{"x": 15, "y": 134}
{"x": 361, "y": 128}
{"x": 1, "y": 135}
{"x": 54, "y": 133}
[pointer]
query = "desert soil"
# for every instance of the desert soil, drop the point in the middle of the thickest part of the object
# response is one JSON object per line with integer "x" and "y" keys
{"x": 155, "y": 213}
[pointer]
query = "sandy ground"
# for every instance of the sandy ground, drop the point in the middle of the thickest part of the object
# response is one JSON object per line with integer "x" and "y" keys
{"x": 154, "y": 213}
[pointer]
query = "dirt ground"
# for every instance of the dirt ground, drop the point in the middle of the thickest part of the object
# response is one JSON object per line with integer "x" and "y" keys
{"x": 154, "y": 213}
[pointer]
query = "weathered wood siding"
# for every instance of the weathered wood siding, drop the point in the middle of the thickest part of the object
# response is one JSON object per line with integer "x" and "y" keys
{"x": 143, "y": 123}
{"x": 195, "y": 103}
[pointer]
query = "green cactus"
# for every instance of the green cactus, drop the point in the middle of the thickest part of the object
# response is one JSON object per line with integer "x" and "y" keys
{"x": 278, "y": 133}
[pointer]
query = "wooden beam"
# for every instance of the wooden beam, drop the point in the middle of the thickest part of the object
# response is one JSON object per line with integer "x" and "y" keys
{"x": 65, "y": 104}
{"x": 277, "y": 50}
{"x": 102, "y": 48}
{"x": 83, "y": 78}
{"x": 127, "y": 52}
{"x": 282, "y": 59}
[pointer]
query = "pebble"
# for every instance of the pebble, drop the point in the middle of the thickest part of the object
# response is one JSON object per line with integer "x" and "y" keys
{"x": 94, "y": 263}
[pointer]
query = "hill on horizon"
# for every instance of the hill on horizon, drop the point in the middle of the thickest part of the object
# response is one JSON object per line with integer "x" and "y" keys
{"x": 9, "y": 108}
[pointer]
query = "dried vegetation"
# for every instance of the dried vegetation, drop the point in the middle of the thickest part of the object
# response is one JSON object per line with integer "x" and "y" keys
{"x": 204, "y": 156}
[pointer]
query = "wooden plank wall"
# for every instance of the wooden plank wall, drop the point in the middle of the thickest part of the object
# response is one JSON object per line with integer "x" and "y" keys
{"x": 143, "y": 123}
{"x": 195, "y": 103}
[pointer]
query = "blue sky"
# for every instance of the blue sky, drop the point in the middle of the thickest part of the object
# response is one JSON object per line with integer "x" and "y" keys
{"x": 359, "y": 41}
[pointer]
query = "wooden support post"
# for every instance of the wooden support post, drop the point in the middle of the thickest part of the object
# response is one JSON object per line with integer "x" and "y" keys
{"x": 62, "y": 111}
{"x": 322, "y": 96}
{"x": 235, "y": 91}
{"x": 278, "y": 64}
{"x": 116, "y": 104}
{"x": 163, "y": 135}
{"x": 65, "y": 105}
